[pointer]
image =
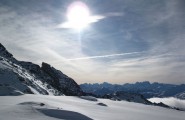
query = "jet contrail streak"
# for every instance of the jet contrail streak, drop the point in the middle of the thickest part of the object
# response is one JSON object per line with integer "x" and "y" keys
{"x": 103, "y": 56}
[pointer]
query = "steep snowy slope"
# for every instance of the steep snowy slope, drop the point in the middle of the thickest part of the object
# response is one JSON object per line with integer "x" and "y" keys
{"x": 39, "y": 107}
{"x": 13, "y": 75}
{"x": 28, "y": 77}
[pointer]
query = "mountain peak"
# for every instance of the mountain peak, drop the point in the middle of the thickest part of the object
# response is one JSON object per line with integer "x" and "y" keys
{"x": 4, "y": 52}
{"x": 105, "y": 83}
{"x": 143, "y": 83}
{"x": 61, "y": 81}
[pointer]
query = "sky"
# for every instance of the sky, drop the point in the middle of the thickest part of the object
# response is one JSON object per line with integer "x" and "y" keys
{"x": 129, "y": 40}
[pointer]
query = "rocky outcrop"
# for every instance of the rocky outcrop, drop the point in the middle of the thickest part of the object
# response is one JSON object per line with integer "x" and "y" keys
{"x": 35, "y": 79}
{"x": 130, "y": 97}
{"x": 4, "y": 52}
{"x": 61, "y": 81}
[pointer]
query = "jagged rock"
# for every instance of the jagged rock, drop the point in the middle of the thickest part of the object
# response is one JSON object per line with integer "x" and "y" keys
{"x": 61, "y": 81}
{"x": 31, "y": 78}
{"x": 4, "y": 52}
{"x": 33, "y": 68}
{"x": 130, "y": 97}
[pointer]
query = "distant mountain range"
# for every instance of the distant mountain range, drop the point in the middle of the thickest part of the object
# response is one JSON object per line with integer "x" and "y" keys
{"x": 26, "y": 77}
{"x": 147, "y": 89}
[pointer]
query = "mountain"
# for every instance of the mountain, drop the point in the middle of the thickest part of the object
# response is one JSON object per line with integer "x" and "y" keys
{"x": 20, "y": 77}
{"x": 147, "y": 89}
{"x": 27, "y": 77}
{"x": 180, "y": 95}
{"x": 131, "y": 97}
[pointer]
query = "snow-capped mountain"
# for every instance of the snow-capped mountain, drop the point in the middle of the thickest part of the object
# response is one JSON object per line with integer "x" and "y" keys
{"x": 147, "y": 89}
{"x": 19, "y": 77}
{"x": 27, "y": 77}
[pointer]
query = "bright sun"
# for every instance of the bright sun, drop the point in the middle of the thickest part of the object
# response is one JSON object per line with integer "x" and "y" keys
{"x": 78, "y": 15}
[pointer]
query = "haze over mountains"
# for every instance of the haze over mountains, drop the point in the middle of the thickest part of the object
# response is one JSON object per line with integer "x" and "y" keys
{"x": 147, "y": 89}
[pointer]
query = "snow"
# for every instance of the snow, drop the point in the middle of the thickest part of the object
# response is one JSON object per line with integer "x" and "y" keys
{"x": 31, "y": 78}
{"x": 42, "y": 107}
{"x": 171, "y": 101}
{"x": 11, "y": 74}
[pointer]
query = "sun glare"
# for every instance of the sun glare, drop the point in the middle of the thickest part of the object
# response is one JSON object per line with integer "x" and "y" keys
{"x": 78, "y": 15}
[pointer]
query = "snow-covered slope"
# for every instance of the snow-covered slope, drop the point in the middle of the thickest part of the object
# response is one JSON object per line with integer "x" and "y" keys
{"x": 39, "y": 107}
{"x": 28, "y": 77}
{"x": 13, "y": 75}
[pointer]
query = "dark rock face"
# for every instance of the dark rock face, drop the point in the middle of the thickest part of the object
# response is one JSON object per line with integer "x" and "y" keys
{"x": 55, "y": 78}
{"x": 61, "y": 81}
{"x": 44, "y": 80}
{"x": 131, "y": 97}
{"x": 33, "y": 68}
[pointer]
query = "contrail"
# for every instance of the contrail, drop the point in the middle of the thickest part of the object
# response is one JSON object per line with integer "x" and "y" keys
{"x": 103, "y": 56}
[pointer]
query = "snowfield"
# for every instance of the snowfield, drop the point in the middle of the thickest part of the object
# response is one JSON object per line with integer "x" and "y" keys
{"x": 42, "y": 107}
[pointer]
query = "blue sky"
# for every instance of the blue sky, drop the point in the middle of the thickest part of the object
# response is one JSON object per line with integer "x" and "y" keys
{"x": 137, "y": 40}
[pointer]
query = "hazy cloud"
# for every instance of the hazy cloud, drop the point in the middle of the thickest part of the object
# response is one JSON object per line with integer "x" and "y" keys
{"x": 173, "y": 102}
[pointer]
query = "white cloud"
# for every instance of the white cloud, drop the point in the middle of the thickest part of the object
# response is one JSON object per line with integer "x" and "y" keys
{"x": 173, "y": 102}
